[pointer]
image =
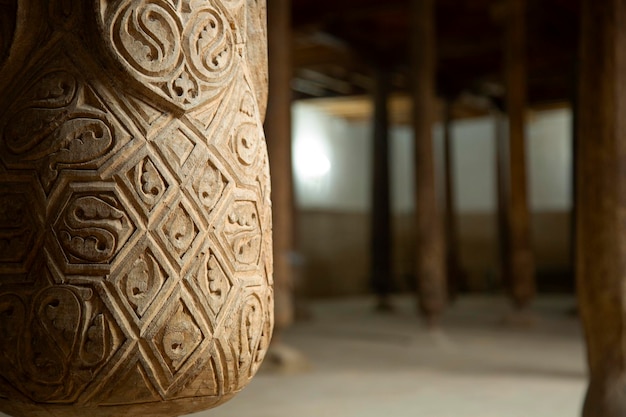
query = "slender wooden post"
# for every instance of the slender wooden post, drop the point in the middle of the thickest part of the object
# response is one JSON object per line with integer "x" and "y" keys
{"x": 502, "y": 186}
{"x": 601, "y": 203}
{"x": 452, "y": 241}
{"x": 521, "y": 266}
{"x": 430, "y": 265}
{"x": 278, "y": 132}
{"x": 381, "y": 218}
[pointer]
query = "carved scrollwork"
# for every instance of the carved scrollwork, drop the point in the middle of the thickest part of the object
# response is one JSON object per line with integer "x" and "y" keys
{"x": 142, "y": 283}
{"x": 149, "y": 183}
{"x": 179, "y": 338}
{"x": 243, "y": 232}
{"x": 252, "y": 336}
{"x": 209, "y": 186}
{"x": 58, "y": 345}
{"x": 49, "y": 128}
{"x": 93, "y": 228}
{"x": 16, "y": 227}
{"x": 247, "y": 136}
{"x": 183, "y": 50}
{"x": 134, "y": 208}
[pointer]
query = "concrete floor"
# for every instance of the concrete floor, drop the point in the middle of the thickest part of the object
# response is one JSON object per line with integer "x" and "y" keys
{"x": 369, "y": 365}
{"x": 366, "y": 365}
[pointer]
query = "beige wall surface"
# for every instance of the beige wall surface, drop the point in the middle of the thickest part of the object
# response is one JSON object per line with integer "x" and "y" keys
{"x": 333, "y": 202}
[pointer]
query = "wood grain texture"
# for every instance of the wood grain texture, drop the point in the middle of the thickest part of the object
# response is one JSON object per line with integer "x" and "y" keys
{"x": 135, "y": 220}
{"x": 601, "y": 202}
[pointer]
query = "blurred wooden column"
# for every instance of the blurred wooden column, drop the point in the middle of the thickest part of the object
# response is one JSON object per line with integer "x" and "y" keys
{"x": 521, "y": 269}
{"x": 381, "y": 212}
{"x": 430, "y": 253}
{"x": 278, "y": 133}
{"x": 454, "y": 273}
{"x": 601, "y": 203}
{"x": 502, "y": 188}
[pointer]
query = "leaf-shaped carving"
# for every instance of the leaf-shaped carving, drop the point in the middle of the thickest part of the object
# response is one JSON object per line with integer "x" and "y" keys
{"x": 244, "y": 232}
{"x": 60, "y": 313}
{"x": 40, "y": 111}
{"x": 142, "y": 283}
{"x": 181, "y": 336}
{"x": 12, "y": 324}
{"x": 247, "y": 143}
{"x": 250, "y": 329}
{"x": 209, "y": 186}
{"x": 47, "y": 130}
{"x": 43, "y": 361}
{"x": 80, "y": 140}
{"x": 180, "y": 230}
{"x": 149, "y": 182}
{"x": 96, "y": 342}
{"x": 93, "y": 229}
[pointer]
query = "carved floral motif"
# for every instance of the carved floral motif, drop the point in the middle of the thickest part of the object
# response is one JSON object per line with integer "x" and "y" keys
{"x": 184, "y": 50}
{"x": 135, "y": 226}
{"x": 49, "y": 129}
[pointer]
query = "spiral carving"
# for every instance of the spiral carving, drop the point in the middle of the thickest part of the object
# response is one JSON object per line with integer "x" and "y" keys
{"x": 135, "y": 221}
{"x": 181, "y": 50}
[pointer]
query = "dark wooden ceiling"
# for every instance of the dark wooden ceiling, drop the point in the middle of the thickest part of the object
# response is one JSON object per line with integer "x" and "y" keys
{"x": 337, "y": 43}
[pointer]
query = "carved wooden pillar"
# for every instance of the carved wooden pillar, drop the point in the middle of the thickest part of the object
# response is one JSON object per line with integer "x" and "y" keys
{"x": 135, "y": 222}
{"x": 381, "y": 205}
{"x": 278, "y": 128}
{"x": 430, "y": 256}
{"x": 521, "y": 271}
{"x": 601, "y": 203}
{"x": 453, "y": 266}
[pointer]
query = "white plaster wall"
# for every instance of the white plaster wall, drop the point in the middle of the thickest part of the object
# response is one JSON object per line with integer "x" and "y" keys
{"x": 550, "y": 160}
{"x": 346, "y": 187}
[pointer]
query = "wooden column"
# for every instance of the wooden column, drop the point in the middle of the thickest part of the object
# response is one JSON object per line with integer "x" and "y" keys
{"x": 381, "y": 217}
{"x": 430, "y": 257}
{"x": 451, "y": 229}
{"x": 278, "y": 133}
{"x": 601, "y": 203}
{"x": 502, "y": 188}
{"x": 520, "y": 273}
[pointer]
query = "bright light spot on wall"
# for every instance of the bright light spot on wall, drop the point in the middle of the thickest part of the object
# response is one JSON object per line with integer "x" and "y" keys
{"x": 311, "y": 161}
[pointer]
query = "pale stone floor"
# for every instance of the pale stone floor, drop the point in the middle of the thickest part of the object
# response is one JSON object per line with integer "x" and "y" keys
{"x": 370, "y": 365}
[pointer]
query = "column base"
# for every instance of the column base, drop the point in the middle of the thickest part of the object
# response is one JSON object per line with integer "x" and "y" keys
{"x": 606, "y": 396}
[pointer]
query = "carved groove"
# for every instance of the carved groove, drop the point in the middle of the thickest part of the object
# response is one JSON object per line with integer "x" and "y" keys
{"x": 134, "y": 213}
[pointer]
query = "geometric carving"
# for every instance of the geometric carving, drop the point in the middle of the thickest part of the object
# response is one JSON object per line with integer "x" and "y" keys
{"x": 179, "y": 232}
{"x": 18, "y": 227}
{"x": 250, "y": 336}
{"x": 241, "y": 234}
{"x": 56, "y": 125}
{"x": 180, "y": 148}
{"x": 149, "y": 183}
{"x": 139, "y": 389}
{"x": 141, "y": 284}
{"x": 213, "y": 283}
{"x": 179, "y": 337}
{"x": 92, "y": 228}
{"x": 181, "y": 50}
{"x": 135, "y": 223}
{"x": 59, "y": 345}
{"x": 209, "y": 186}
{"x": 248, "y": 135}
